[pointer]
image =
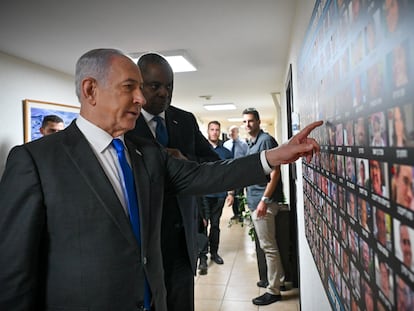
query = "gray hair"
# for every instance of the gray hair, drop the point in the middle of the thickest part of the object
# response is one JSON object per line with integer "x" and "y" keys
{"x": 94, "y": 63}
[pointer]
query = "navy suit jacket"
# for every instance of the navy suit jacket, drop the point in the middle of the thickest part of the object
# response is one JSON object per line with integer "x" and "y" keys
{"x": 183, "y": 134}
{"x": 66, "y": 242}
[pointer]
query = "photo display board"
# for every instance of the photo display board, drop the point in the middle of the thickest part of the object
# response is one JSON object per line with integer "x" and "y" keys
{"x": 356, "y": 72}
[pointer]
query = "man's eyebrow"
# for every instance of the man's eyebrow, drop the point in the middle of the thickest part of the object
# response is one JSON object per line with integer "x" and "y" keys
{"x": 130, "y": 80}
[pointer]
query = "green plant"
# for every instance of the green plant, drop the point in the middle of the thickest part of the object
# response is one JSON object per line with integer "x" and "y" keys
{"x": 246, "y": 216}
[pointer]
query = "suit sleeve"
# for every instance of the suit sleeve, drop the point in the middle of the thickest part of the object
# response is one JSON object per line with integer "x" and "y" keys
{"x": 22, "y": 224}
{"x": 187, "y": 177}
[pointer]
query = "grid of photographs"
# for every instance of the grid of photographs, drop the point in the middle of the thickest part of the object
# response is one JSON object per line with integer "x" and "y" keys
{"x": 356, "y": 72}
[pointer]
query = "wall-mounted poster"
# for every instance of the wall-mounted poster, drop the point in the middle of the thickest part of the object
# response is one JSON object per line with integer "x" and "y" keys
{"x": 356, "y": 72}
{"x": 34, "y": 111}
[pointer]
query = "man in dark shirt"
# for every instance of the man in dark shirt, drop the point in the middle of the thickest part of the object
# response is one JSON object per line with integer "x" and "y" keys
{"x": 212, "y": 204}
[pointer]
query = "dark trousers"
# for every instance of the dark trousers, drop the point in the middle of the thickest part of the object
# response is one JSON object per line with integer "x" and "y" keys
{"x": 213, "y": 208}
{"x": 178, "y": 274}
{"x": 179, "y": 277}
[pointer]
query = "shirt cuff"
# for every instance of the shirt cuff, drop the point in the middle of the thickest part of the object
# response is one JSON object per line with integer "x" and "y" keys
{"x": 266, "y": 167}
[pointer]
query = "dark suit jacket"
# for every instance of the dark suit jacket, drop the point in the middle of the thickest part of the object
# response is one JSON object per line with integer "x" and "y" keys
{"x": 183, "y": 134}
{"x": 66, "y": 243}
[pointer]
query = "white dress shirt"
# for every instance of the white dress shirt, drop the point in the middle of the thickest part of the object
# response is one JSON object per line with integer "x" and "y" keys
{"x": 152, "y": 124}
{"x": 100, "y": 142}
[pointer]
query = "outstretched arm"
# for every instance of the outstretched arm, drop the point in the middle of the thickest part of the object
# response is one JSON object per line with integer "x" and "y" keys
{"x": 298, "y": 146}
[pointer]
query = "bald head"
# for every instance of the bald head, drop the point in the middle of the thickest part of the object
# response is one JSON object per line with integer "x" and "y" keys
{"x": 234, "y": 132}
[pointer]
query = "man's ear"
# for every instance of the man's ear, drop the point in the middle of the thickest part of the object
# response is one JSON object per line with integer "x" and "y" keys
{"x": 89, "y": 90}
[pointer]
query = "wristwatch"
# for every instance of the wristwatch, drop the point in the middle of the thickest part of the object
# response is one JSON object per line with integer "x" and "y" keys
{"x": 266, "y": 200}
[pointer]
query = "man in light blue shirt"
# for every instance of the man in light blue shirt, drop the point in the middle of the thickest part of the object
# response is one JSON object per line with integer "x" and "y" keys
{"x": 238, "y": 148}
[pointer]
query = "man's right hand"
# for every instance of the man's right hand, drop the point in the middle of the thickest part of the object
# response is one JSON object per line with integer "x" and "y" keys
{"x": 298, "y": 146}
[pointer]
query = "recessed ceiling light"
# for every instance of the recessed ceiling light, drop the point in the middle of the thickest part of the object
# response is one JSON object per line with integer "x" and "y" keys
{"x": 179, "y": 63}
{"x": 178, "y": 60}
{"x": 235, "y": 119}
{"x": 215, "y": 107}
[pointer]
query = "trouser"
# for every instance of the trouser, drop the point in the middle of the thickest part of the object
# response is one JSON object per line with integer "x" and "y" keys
{"x": 214, "y": 208}
{"x": 178, "y": 274}
{"x": 261, "y": 259}
{"x": 266, "y": 233}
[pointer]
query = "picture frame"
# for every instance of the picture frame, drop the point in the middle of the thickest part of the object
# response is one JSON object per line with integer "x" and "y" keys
{"x": 34, "y": 111}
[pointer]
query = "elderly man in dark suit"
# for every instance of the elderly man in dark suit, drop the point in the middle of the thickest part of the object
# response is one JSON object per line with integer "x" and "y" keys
{"x": 70, "y": 239}
{"x": 185, "y": 141}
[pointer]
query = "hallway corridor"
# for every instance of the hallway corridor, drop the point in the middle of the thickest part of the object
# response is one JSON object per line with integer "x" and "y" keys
{"x": 232, "y": 286}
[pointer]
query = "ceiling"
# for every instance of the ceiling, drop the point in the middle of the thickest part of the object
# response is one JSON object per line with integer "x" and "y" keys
{"x": 240, "y": 47}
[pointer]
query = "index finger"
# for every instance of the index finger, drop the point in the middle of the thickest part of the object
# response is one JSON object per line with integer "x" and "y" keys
{"x": 308, "y": 129}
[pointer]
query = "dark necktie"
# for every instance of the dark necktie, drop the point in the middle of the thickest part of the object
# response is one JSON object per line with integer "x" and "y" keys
{"x": 161, "y": 131}
{"x": 233, "y": 148}
{"x": 132, "y": 202}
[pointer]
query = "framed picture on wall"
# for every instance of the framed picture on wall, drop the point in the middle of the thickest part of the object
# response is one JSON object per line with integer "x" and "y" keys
{"x": 34, "y": 111}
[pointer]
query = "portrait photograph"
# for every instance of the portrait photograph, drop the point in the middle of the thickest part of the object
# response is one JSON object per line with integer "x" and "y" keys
{"x": 404, "y": 239}
{"x": 401, "y": 126}
{"x": 384, "y": 278}
{"x": 378, "y": 172}
{"x": 382, "y": 227}
{"x": 377, "y": 130}
{"x": 402, "y": 185}
{"x": 360, "y": 132}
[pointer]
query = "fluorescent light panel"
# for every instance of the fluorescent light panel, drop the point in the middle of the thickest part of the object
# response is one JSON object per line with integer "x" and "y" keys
{"x": 216, "y": 107}
{"x": 178, "y": 60}
{"x": 179, "y": 63}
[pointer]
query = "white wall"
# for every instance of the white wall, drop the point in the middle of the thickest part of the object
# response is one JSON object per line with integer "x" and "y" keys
{"x": 21, "y": 80}
{"x": 313, "y": 297}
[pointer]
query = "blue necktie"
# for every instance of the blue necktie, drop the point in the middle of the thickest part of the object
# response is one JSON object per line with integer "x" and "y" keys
{"x": 161, "y": 131}
{"x": 132, "y": 201}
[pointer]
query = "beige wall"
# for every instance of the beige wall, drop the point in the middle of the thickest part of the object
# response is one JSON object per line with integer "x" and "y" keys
{"x": 20, "y": 79}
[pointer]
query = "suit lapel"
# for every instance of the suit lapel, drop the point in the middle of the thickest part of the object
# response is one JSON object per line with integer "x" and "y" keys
{"x": 172, "y": 124}
{"x": 78, "y": 150}
{"x": 142, "y": 180}
{"x": 142, "y": 128}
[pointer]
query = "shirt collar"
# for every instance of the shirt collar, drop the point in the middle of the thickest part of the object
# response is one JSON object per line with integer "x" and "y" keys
{"x": 148, "y": 117}
{"x": 253, "y": 140}
{"x": 96, "y": 136}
